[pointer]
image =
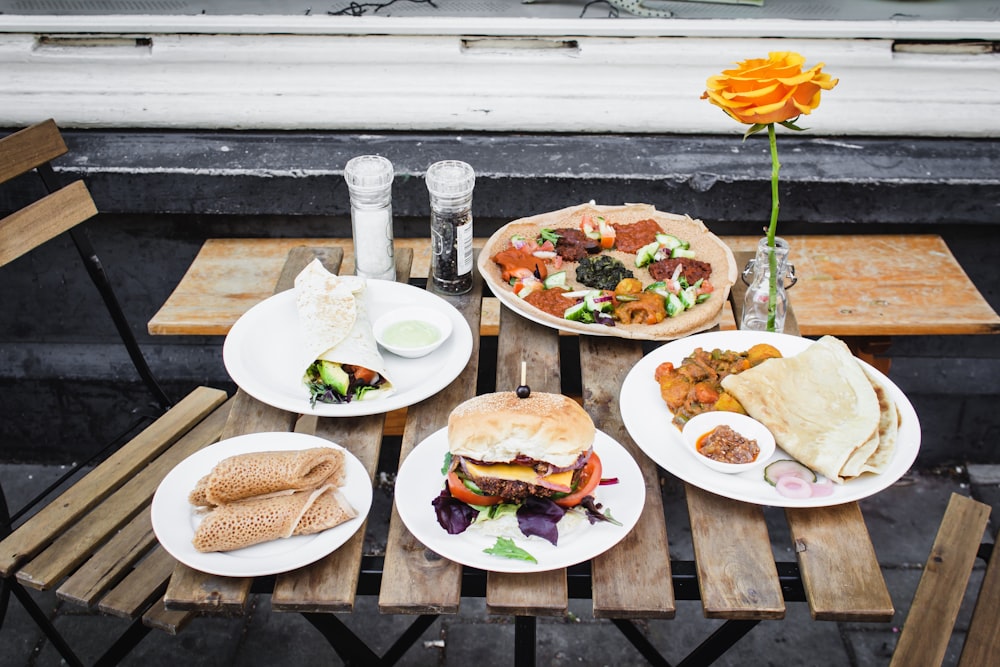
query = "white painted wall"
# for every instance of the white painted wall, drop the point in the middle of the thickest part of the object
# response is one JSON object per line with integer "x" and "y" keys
{"x": 504, "y": 75}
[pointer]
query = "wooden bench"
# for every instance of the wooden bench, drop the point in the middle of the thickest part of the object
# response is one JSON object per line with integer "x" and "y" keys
{"x": 931, "y": 619}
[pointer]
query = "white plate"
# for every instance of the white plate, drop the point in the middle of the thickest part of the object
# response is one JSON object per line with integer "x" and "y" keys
{"x": 175, "y": 520}
{"x": 649, "y": 423}
{"x": 259, "y": 353}
{"x": 420, "y": 481}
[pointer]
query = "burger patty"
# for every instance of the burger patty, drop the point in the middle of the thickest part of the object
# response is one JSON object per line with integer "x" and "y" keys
{"x": 513, "y": 490}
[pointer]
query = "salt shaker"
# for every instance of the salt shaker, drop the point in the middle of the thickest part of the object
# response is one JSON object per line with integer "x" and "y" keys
{"x": 450, "y": 184}
{"x": 369, "y": 181}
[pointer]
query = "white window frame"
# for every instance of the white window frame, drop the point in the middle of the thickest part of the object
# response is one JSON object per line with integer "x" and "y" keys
{"x": 913, "y": 78}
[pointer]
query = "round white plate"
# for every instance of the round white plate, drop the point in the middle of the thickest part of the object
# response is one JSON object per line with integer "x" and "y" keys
{"x": 648, "y": 421}
{"x": 420, "y": 481}
{"x": 175, "y": 519}
{"x": 259, "y": 353}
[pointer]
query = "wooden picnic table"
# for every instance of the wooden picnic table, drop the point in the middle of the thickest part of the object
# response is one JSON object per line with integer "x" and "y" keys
{"x": 836, "y": 572}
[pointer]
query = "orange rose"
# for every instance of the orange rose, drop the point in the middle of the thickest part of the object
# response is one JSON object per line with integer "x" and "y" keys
{"x": 768, "y": 91}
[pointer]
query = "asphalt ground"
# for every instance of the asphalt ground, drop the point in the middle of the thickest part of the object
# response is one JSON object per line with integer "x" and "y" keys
{"x": 902, "y": 521}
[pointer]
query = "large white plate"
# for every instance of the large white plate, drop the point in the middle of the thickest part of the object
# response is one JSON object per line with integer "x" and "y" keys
{"x": 649, "y": 423}
{"x": 420, "y": 481}
{"x": 259, "y": 353}
{"x": 175, "y": 519}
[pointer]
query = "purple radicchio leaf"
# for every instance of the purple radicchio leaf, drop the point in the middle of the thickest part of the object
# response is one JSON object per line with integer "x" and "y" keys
{"x": 453, "y": 515}
{"x": 539, "y": 516}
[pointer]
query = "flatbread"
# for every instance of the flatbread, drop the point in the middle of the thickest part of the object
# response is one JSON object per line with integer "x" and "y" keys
{"x": 248, "y": 522}
{"x": 888, "y": 425}
{"x": 335, "y": 325}
{"x": 819, "y": 404}
{"x": 268, "y": 474}
{"x": 708, "y": 248}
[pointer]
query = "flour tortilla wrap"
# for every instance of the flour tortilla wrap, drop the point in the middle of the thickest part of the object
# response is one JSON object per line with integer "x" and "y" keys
{"x": 335, "y": 325}
{"x": 248, "y": 522}
{"x": 819, "y": 404}
{"x": 268, "y": 474}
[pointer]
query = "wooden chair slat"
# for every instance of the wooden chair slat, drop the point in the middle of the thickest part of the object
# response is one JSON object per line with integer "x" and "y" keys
{"x": 26, "y": 149}
{"x": 929, "y": 623}
{"x": 110, "y": 563}
{"x": 540, "y": 593}
{"x": 46, "y": 218}
{"x": 143, "y": 586}
{"x": 172, "y": 622}
{"x": 982, "y": 641}
{"x": 736, "y": 572}
{"x": 31, "y": 537}
{"x": 840, "y": 570}
{"x": 330, "y": 583}
{"x": 79, "y": 540}
{"x": 621, "y": 588}
{"x": 415, "y": 580}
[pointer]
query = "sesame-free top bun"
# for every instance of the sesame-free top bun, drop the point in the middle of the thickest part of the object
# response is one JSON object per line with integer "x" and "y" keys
{"x": 496, "y": 428}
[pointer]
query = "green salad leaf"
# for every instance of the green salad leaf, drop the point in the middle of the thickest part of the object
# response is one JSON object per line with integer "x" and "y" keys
{"x": 505, "y": 548}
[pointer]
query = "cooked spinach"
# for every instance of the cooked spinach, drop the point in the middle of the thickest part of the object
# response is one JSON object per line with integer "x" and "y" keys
{"x": 601, "y": 272}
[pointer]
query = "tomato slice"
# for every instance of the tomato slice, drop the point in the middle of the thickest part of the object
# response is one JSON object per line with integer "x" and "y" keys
{"x": 590, "y": 477}
{"x": 461, "y": 492}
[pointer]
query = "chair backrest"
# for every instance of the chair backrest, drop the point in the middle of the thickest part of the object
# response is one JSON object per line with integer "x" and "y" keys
{"x": 936, "y": 603}
{"x": 61, "y": 210}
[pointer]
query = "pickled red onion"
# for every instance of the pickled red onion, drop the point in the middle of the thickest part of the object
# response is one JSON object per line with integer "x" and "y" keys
{"x": 791, "y": 486}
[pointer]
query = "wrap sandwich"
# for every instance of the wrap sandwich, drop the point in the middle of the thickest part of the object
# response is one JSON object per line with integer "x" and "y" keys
{"x": 340, "y": 360}
{"x": 824, "y": 409}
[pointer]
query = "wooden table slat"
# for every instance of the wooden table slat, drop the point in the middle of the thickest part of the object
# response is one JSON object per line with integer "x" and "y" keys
{"x": 539, "y": 593}
{"x": 736, "y": 571}
{"x": 415, "y": 580}
{"x": 330, "y": 583}
{"x": 633, "y": 578}
{"x": 840, "y": 570}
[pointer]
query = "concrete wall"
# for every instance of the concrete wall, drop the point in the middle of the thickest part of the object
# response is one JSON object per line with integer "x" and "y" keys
{"x": 65, "y": 383}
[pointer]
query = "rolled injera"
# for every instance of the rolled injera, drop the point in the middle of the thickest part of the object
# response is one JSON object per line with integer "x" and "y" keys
{"x": 248, "y": 522}
{"x": 263, "y": 474}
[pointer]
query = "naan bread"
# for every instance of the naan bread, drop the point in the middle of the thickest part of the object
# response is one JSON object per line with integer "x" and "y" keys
{"x": 819, "y": 404}
{"x": 707, "y": 247}
{"x": 248, "y": 522}
{"x": 266, "y": 474}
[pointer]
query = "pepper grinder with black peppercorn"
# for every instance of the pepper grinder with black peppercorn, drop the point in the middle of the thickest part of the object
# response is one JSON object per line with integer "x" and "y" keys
{"x": 450, "y": 184}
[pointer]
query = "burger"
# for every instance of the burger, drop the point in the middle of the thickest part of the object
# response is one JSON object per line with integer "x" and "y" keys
{"x": 505, "y": 449}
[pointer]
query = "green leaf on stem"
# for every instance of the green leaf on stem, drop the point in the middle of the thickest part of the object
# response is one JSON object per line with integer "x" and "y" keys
{"x": 754, "y": 129}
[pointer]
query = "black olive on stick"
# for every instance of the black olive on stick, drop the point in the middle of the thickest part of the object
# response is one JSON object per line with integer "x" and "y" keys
{"x": 523, "y": 391}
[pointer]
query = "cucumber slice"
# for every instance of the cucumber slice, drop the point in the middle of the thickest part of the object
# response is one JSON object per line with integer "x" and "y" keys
{"x": 557, "y": 279}
{"x": 774, "y": 471}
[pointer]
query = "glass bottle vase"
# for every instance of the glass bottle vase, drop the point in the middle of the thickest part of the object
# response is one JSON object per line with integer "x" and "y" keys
{"x": 756, "y": 275}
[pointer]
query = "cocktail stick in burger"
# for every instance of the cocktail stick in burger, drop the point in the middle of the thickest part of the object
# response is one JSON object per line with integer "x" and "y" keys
{"x": 505, "y": 449}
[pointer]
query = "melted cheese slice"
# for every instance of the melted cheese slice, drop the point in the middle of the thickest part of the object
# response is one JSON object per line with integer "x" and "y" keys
{"x": 521, "y": 473}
